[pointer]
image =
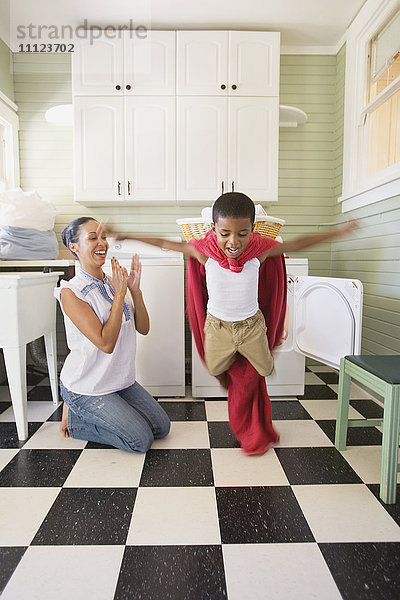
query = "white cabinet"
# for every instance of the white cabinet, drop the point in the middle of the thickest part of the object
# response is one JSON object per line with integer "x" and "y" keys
{"x": 150, "y": 149}
{"x": 227, "y": 144}
{"x": 236, "y": 63}
{"x": 125, "y": 64}
{"x": 124, "y": 150}
{"x": 98, "y": 145}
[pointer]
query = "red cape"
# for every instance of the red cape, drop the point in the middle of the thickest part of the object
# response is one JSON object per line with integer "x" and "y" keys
{"x": 248, "y": 401}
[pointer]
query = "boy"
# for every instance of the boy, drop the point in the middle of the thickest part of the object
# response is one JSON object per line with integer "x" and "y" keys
{"x": 232, "y": 257}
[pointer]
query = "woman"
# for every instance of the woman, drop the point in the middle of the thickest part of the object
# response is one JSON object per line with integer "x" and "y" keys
{"x": 102, "y": 314}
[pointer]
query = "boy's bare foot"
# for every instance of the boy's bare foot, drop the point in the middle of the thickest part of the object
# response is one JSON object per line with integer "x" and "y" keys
{"x": 223, "y": 378}
{"x": 64, "y": 421}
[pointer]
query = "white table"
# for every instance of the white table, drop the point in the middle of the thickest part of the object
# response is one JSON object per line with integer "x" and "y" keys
{"x": 27, "y": 312}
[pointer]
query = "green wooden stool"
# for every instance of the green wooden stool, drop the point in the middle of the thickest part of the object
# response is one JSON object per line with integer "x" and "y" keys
{"x": 380, "y": 374}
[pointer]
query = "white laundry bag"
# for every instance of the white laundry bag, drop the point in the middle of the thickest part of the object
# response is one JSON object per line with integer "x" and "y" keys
{"x": 27, "y": 210}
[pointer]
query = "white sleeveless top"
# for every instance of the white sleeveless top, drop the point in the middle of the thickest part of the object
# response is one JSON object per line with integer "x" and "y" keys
{"x": 88, "y": 370}
{"x": 232, "y": 296}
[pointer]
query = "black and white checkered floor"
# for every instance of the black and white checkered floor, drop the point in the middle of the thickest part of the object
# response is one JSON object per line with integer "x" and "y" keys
{"x": 195, "y": 518}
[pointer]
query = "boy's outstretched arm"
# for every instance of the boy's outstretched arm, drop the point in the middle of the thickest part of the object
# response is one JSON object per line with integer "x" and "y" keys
{"x": 306, "y": 241}
{"x": 183, "y": 247}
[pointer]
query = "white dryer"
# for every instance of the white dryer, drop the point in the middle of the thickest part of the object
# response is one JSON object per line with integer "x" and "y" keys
{"x": 160, "y": 356}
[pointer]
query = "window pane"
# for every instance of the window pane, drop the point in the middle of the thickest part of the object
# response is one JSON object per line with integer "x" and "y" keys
{"x": 384, "y": 135}
{"x": 385, "y": 46}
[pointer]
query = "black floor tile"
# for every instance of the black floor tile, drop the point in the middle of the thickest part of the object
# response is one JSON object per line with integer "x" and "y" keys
{"x": 57, "y": 414}
{"x": 256, "y": 515}
{"x": 33, "y": 378}
{"x": 392, "y": 509}
{"x": 318, "y": 392}
{"x": 39, "y": 468}
{"x": 307, "y": 466}
{"x": 221, "y": 435}
{"x": 288, "y": 409}
{"x": 9, "y": 437}
{"x": 368, "y": 408}
{"x": 356, "y": 436}
{"x": 217, "y": 398}
{"x": 328, "y": 377}
{"x": 40, "y": 392}
{"x": 185, "y": 411}
{"x": 90, "y": 516}
{"x": 173, "y": 468}
{"x": 171, "y": 573}
{"x": 4, "y": 406}
{"x": 9, "y": 559}
{"x": 97, "y": 446}
{"x": 364, "y": 571}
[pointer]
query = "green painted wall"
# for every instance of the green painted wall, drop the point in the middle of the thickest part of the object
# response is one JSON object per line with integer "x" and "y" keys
{"x": 306, "y": 170}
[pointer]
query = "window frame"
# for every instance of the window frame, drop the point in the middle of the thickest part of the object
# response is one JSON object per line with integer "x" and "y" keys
{"x": 9, "y": 119}
{"x": 359, "y": 189}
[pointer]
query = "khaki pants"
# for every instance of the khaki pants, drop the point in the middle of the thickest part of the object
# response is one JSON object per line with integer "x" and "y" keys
{"x": 224, "y": 338}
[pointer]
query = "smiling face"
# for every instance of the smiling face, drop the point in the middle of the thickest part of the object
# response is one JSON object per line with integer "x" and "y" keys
{"x": 91, "y": 247}
{"x": 233, "y": 234}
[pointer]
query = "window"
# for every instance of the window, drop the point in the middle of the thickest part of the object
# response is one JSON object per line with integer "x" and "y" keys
{"x": 384, "y": 98}
{"x": 9, "y": 176}
{"x": 372, "y": 106}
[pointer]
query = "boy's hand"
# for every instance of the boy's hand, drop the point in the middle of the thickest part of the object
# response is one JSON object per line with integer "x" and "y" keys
{"x": 348, "y": 228}
{"x": 110, "y": 231}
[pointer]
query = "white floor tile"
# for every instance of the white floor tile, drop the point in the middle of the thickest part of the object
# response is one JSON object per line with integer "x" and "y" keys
{"x": 301, "y": 434}
{"x": 231, "y": 467}
{"x": 36, "y": 411}
{"x": 174, "y": 516}
{"x": 185, "y": 434}
{"x": 217, "y": 410}
{"x": 326, "y": 409}
{"x": 65, "y": 572}
{"x": 22, "y": 511}
{"x": 106, "y": 468}
{"x": 345, "y": 513}
{"x": 322, "y": 369}
{"x": 366, "y": 461}
{"x": 284, "y": 398}
{"x": 49, "y": 436}
{"x": 6, "y": 454}
{"x": 277, "y": 572}
{"x": 356, "y": 393}
{"x": 312, "y": 379}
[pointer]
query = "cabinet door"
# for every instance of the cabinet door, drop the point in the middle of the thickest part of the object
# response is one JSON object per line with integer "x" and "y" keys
{"x": 254, "y": 63}
{"x": 150, "y": 148}
{"x": 97, "y": 68}
{"x": 253, "y": 147}
{"x": 149, "y": 63}
{"x": 202, "y": 148}
{"x": 202, "y": 62}
{"x": 98, "y": 149}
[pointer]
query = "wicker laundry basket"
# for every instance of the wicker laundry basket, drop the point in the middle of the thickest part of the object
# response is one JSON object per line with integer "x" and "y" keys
{"x": 198, "y": 227}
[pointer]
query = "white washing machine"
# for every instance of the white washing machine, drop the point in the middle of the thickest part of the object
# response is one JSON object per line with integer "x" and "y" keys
{"x": 160, "y": 356}
{"x": 325, "y": 324}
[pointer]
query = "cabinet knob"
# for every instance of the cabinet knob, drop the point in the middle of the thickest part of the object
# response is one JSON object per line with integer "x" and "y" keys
{"x": 223, "y": 86}
{"x": 117, "y": 87}
{"x": 234, "y": 87}
{"x": 128, "y": 87}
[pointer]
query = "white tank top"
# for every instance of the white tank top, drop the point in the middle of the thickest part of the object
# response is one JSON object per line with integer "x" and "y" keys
{"x": 87, "y": 370}
{"x": 232, "y": 296}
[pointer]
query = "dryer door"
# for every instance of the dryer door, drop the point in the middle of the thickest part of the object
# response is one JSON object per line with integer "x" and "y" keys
{"x": 327, "y": 318}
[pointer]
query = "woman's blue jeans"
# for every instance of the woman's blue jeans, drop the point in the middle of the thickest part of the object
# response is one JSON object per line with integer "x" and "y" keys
{"x": 130, "y": 419}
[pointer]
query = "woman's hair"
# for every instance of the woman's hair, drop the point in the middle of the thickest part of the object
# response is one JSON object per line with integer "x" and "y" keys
{"x": 235, "y": 205}
{"x": 71, "y": 232}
